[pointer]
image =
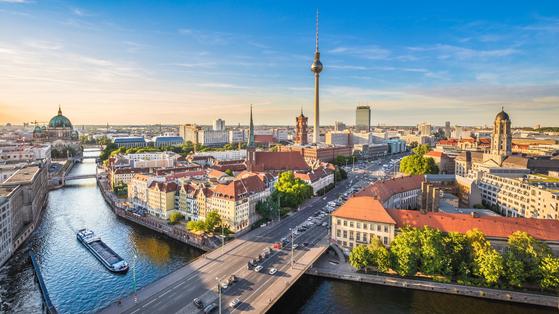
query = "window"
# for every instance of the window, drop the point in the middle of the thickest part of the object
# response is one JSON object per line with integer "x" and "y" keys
{"x": 338, "y": 233}
{"x": 385, "y": 240}
{"x": 338, "y": 222}
{"x": 351, "y": 224}
{"x": 385, "y": 228}
{"x": 378, "y": 228}
{"x": 358, "y": 225}
{"x": 345, "y": 234}
{"x": 345, "y": 223}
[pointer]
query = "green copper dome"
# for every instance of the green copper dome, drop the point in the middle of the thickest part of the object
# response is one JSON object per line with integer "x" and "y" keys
{"x": 60, "y": 121}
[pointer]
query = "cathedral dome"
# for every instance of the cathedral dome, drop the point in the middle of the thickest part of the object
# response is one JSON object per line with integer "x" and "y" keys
{"x": 60, "y": 121}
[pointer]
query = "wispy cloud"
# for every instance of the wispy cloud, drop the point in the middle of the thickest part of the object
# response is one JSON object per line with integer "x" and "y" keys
{"x": 445, "y": 51}
{"x": 79, "y": 12}
{"x": 222, "y": 85}
{"x": 43, "y": 45}
{"x": 207, "y": 37}
{"x": 366, "y": 52}
{"x": 16, "y": 1}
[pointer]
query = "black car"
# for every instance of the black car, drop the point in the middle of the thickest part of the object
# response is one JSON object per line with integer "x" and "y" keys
{"x": 198, "y": 303}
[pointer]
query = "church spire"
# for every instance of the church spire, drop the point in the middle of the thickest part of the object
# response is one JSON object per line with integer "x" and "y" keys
{"x": 59, "y": 110}
{"x": 251, "y": 131}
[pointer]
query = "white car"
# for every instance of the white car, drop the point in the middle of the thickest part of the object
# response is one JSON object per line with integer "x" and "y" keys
{"x": 272, "y": 271}
{"x": 258, "y": 268}
{"x": 234, "y": 302}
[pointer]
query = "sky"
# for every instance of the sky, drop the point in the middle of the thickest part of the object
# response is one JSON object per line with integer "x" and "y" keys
{"x": 171, "y": 62}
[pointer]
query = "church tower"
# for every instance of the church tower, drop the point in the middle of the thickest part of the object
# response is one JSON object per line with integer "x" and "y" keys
{"x": 301, "y": 134}
{"x": 501, "y": 142}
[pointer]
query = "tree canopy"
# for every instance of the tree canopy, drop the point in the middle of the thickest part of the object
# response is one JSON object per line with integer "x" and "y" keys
{"x": 292, "y": 191}
{"x": 417, "y": 163}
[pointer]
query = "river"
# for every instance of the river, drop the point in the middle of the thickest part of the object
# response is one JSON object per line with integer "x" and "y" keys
{"x": 78, "y": 283}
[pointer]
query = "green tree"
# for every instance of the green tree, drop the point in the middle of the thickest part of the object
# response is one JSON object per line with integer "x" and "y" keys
{"x": 416, "y": 163}
{"x": 174, "y": 217}
{"x": 490, "y": 266}
{"x": 196, "y": 226}
{"x": 515, "y": 273}
{"x": 229, "y": 172}
{"x": 380, "y": 257}
{"x": 360, "y": 257}
{"x": 457, "y": 248}
{"x": 525, "y": 250}
{"x": 434, "y": 260}
{"x": 549, "y": 270}
{"x": 292, "y": 191}
{"x": 213, "y": 221}
{"x": 405, "y": 252}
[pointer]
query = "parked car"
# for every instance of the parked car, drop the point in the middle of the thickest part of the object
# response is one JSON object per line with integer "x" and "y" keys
{"x": 235, "y": 302}
{"x": 198, "y": 303}
{"x": 272, "y": 271}
{"x": 210, "y": 308}
{"x": 258, "y": 268}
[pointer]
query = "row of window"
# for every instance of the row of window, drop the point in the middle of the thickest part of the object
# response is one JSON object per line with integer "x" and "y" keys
{"x": 360, "y": 225}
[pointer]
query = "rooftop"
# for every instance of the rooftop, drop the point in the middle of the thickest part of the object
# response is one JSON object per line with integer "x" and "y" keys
{"x": 364, "y": 208}
{"x": 383, "y": 190}
{"x": 23, "y": 176}
{"x": 491, "y": 226}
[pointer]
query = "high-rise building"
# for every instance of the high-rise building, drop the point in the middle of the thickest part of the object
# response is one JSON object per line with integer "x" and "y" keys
{"x": 363, "y": 118}
{"x": 301, "y": 129}
{"x": 501, "y": 143}
{"x": 316, "y": 68}
{"x": 447, "y": 129}
{"x": 424, "y": 129}
{"x": 339, "y": 126}
{"x": 219, "y": 125}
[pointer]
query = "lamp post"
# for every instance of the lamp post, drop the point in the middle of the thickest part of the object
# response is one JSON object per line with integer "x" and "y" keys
{"x": 222, "y": 239}
{"x": 219, "y": 292}
{"x": 291, "y": 247}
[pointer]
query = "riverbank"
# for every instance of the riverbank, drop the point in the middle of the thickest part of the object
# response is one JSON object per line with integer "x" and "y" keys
{"x": 200, "y": 242}
{"x": 343, "y": 271}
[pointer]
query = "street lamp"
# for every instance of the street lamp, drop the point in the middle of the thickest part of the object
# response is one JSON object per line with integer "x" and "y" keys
{"x": 291, "y": 229}
{"x": 222, "y": 239}
{"x": 219, "y": 292}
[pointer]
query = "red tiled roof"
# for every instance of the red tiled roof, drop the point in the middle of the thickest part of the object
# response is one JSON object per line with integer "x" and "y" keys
{"x": 451, "y": 141}
{"x": 216, "y": 173}
{"x": 435, "y": 154}
{"x": 314, "y": 175}
{"x": 364, "y": 208}
{"x": 185, "y": 174}
{"x": 491, "y": 226}
{"x": 232, "y": 167}
{"x": 238, "y": 188}
{"x": 383, "y": 190}
{"x": 164, "y": 187}
{"x": 279, "y": 161}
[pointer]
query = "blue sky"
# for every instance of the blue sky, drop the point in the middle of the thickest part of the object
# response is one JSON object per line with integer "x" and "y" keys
{"x": 184, "y": 62}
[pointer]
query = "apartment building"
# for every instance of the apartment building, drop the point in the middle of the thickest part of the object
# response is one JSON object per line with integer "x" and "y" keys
{"x": 532, "y": 196}
{"x": 161, "y": 198}
{"x": 6, "y": 248}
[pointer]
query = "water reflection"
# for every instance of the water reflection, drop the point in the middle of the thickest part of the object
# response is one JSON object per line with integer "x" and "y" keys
{"x": 157, "y": 251}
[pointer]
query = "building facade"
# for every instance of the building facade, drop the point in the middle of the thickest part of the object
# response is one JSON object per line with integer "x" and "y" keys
{"x": 363, "y": 118}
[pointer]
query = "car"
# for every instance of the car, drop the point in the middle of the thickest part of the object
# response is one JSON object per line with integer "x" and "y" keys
{"x": 324, "y": 224}
{"x": 210, "y": 308}
{"x": 295, "y": 246}
{"x": 305, "y": 244}
{"x": 272, "y": 271}
{"x": 232, "y": 279}
{"x": 224, "y": 284}
{"x": 258, "y": 268}
{"x": 198, "y": 303}
{"x": 235, "y": 302}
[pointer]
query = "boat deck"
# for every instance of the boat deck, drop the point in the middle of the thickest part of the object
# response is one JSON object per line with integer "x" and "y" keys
{"x": 105, "y": 252}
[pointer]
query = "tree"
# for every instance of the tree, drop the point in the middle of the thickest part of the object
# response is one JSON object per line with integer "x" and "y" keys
{"x": 416, "y": 163}
{"x": 526, "y": 253}
{"x": 174, "y": 217}
{"x": 490, "y": 266}
{"x": 196, "y": 226}
{"x": 549, "y": 270}
{"x": 458, "y": 249}
{"x": 380, "y": 257}
{"x": 229, "y": 172}
{"x": 434, "y": 260}
{"x": 405, "y": 252}
{"x": 487, "y": 264}
{"x": 421, "y": 149}
{"x": 360, "y": 257}
{"x": 292, "y": 191}
{"x": 213, "y": 221}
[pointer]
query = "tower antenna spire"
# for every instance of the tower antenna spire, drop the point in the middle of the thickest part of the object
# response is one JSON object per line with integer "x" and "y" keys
{"x": 317, "y": 13}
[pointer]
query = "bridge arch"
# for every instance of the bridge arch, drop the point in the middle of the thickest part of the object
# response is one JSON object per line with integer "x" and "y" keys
{"x": 338, "y": 251}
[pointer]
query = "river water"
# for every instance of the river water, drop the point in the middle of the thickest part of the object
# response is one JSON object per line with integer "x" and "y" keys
{"x": 78, "y": 283}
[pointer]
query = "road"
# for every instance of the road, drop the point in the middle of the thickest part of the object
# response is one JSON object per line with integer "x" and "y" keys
{"x": 175, "y": 292}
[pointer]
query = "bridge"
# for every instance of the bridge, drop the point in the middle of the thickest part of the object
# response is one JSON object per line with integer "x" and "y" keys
{"x": 257, "y": 291}
{"x": 78, "y": 177}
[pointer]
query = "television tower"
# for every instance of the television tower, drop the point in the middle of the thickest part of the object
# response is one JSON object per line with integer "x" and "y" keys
{"x": 316, "y": 68}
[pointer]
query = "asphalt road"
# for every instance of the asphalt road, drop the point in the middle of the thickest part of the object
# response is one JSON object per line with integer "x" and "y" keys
{"x": 175, "y": 292}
